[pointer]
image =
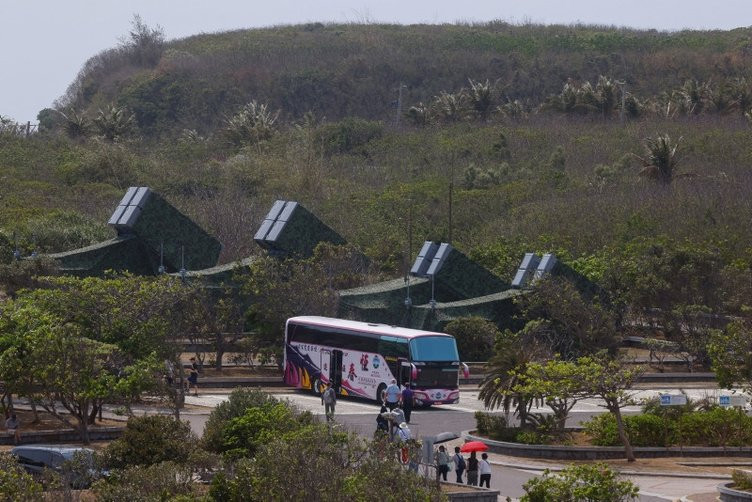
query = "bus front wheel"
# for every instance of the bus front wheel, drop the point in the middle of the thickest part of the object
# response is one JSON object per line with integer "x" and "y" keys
{"x": 380, "y": 392}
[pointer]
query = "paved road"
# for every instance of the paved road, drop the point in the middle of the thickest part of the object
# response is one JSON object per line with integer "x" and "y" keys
{"x": 360, "y": 416}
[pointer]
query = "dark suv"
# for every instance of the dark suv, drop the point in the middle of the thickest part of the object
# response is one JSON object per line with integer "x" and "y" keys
{"x": 36, "y": 458}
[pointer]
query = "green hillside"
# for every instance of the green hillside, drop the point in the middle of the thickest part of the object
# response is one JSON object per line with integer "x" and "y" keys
{"x": 540, "y": 134}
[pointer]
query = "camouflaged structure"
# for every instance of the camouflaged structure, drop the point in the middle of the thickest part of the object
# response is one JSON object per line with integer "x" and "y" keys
{"x": 290, "y": 230}
{"x": 150, "y": 231}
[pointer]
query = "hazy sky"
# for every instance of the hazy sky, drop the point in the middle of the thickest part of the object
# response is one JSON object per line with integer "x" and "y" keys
{"x": 44, "y": 43}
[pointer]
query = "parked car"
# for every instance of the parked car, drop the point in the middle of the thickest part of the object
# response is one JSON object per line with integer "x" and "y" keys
{"x": 35, "y": 458}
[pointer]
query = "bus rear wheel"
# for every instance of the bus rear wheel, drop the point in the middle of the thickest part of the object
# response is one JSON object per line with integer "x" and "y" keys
{"x": 316, "y": 387}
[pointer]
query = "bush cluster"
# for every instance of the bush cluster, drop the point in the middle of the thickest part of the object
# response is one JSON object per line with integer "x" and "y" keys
{"x": 714, "y": 427}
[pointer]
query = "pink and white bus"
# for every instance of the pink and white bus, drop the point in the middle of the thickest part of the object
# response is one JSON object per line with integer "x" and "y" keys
{"x": 360, "y": 359}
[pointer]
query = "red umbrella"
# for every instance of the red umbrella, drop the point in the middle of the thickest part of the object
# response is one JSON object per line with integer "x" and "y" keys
{"x": 474, "y": 446}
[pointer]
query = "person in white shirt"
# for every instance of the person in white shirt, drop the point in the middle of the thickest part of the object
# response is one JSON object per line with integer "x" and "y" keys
{"x": 485, "y": 470}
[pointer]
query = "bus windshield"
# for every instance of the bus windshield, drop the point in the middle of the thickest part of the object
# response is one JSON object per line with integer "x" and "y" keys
{"x": 434, "y": 348}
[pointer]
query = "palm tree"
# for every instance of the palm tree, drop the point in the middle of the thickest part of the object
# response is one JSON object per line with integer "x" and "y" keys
{"x": 252, "y": 124}
{"x": 114, "y": 122}
{"x": 449, "y": 107}
{"x": 660, "y": 160}
{"x": 512, "y": 353}
{"x": 76, "y": 124}
{"x": 480, "y": 95}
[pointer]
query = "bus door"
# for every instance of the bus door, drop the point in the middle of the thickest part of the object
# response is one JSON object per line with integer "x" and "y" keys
{"x": 405, "y": 372}
{"x": 335, "y": 369}
{"x": 326, "y": 361}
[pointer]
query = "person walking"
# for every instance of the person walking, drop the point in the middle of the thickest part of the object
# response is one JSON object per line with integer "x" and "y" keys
{"x": 329, "y": 400}
{"x": 442, "y": 462}
{"x": 407, "y": 401}
{"x": 485, "y": 471}
{"x": 459, "y": 464}
{"x": 14, "y": 427}
{"x": 472, "y": 470}
{"x": 391, "y": 395}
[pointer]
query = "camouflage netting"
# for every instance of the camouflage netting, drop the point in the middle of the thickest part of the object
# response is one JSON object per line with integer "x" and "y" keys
{"x": 152, "y": 221}
{"x": 126, "y": 253}
{"x": 498, "y": 308}
{"x": 219, "y": 275}
{"x": 293, "y": 231}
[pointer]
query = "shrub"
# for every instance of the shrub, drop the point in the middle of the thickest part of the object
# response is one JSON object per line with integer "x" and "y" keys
{"x": 717, "y": 427}
{"x": 150, "y": 440}
{"x": 242, "y": 436}
{"x": 742, "y": 480}
{"x": 580, "y": 484}
{"x": 349, "y": 135}
{"x": 16, "y": 485}
{"x": 235, "y": 406}
{"x": 489, "y": 424}
{"x": 155, "y": 482}
{"x": 643, "y": 430}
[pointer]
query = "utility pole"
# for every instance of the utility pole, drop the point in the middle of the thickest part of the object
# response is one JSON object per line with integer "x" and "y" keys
{"x": 399, "y": 105}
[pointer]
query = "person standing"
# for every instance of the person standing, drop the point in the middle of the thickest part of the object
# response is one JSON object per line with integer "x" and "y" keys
{"x": 459, "y": 464}
{"x": 391, "y": 395}
{"x": 472, "y": 470}
{"x": 193, "y": 377}
{"x": 329, "y": 400}
{"x": 485, "y": 471}
{"x": 407, "y": 401}
{"x": 442, "y": 460}
{"x": 14, "y": 427}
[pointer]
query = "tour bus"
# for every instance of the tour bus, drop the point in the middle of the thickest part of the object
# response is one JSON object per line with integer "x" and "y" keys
{"x": 360, "y": 359}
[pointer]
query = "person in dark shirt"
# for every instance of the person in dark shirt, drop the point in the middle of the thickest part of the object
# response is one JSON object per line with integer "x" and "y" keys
{"x": 472, "y": 470}
{"x": 407, "y": 401}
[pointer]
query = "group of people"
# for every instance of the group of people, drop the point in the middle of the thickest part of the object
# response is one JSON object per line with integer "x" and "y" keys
{"x": 394, "y": 419}
{"x": 396, "y": 410}
{"x": 473, "y": 466}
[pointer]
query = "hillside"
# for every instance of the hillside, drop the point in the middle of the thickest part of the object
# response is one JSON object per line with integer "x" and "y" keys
{"x": 543, "y": 157}
{"x": 355, "y": 70}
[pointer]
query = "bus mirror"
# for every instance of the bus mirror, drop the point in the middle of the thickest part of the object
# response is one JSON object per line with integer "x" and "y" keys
{"x": 413, "y": 372}
{"x": 465, "y": 370}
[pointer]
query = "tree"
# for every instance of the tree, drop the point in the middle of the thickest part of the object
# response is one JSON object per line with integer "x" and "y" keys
{"x": 475, "y": 337}
{"x": 731, "y": 354}
{"x": 557, "y": 383}
{"x": 610, "y": 380}
{"x": 333, "y": 464}
{"x": 280, "y": 289}
{"x": 144, "y": 45}
{"x": 660, "y": 160}
{"x": 579, "y": 323}
{"x": 512, "y": 353}
{"x": 16, "y": 485}
{"x": 582, "y": 483}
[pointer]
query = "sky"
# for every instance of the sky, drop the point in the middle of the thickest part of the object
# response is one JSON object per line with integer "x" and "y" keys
{"x": 44, "y": 43}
